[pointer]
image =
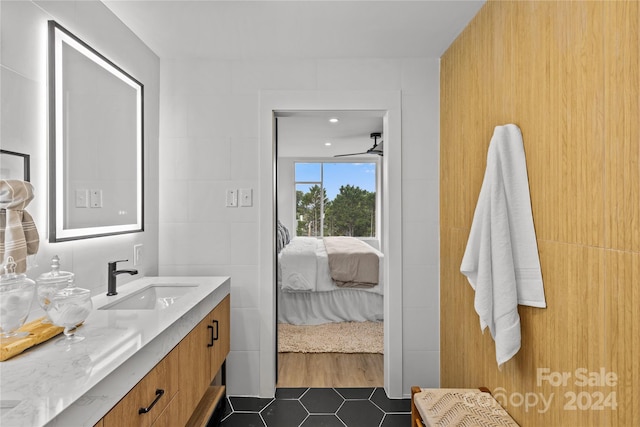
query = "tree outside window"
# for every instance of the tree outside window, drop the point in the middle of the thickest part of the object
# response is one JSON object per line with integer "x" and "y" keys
{"x": 331, "y": 200}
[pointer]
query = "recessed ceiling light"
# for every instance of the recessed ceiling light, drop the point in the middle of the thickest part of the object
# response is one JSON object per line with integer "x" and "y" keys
{"x": 333, "y": 120}
{"x": 327, "y": 144}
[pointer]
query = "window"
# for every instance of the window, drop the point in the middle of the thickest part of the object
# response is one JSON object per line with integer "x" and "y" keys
{"x": 336, "y": 199}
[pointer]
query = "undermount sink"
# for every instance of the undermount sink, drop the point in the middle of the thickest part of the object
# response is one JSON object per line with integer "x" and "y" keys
{"x": 152, "y": 297}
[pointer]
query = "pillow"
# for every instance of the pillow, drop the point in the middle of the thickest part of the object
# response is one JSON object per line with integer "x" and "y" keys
{"x": 282, "y": 236}
{"x": 279, "y": 240}
{"x": 287, "y": 235}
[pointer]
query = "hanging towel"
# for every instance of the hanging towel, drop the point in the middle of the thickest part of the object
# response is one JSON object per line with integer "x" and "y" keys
{"x": 501, "y": 259}
{"x": 18, "y": 233}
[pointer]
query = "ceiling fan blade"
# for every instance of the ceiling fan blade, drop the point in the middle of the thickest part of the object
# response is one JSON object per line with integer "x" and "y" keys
{"x": 351, "y": 154}
{"x": 376, "y": 149}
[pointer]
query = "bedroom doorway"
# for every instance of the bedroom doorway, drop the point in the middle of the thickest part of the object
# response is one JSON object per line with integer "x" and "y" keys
{"x": 328, "y": 183}
{"x": 390, "y": 103}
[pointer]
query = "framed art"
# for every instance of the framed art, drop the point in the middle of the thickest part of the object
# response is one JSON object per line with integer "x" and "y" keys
{"x": 14, "y": 165}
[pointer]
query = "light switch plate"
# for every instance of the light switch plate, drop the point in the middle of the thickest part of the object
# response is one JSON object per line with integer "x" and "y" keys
{"x": 95, "y": 198}
{"x": 82, "y": 198}
{"x": 246, "y": 197}
{"x": 137, "y": 254}
{"x": 232, "y": 198}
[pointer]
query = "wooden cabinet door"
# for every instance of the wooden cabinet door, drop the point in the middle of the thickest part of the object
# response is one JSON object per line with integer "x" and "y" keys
{"x": 195, "y": 356}
{"x": 220, "y": 319}
{"x": 153, "y": 392}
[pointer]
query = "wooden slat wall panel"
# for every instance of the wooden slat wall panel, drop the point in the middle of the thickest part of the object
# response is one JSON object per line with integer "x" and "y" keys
{"x": 622, "y": 205}
{"x": 568, "y": 74}
{"x": 622, "y": 76}
{"x": 623, "y": 337}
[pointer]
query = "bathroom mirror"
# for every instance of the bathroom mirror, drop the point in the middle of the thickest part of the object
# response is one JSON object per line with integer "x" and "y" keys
{"x": 96, "y": 142}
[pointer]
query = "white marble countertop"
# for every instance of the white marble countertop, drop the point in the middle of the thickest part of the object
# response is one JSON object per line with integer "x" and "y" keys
{"x": 76, "y": 385}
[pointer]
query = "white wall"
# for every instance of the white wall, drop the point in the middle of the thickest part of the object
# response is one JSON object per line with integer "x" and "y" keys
{"x": 23, "y": 124}
{"x": 209, "y": 135}
{"x": 286, "y": 193}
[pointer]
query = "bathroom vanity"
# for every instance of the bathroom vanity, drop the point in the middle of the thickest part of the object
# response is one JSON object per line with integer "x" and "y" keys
{"x": 149, "y": 358}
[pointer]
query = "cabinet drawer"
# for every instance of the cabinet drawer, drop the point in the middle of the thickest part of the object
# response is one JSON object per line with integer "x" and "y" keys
{"x": 150, "y": 396}
{"x": 171, "y": 416}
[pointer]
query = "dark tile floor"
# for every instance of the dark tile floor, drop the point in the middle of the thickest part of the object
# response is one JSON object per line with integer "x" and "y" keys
{"x": 319, "y": 407}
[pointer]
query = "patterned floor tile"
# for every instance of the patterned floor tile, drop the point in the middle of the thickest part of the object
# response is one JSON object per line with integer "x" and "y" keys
{"x": 396, "y": 420}
{"x": 318, "y": 407}
{"x": 290, "y": 393}
{"x": 355, "y": 393}
{"x": 284, "y": 413}
{"x": 248, "y": 404}
{"x": 238, "y": 419}
{"x": 316, "y": 420}
{"x": 360, "y": 413}
{"x": 322, "y": 401}
{"x": 390, "y": 405}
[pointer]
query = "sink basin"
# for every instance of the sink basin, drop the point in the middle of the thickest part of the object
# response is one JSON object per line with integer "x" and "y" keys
{"x": 152, "y": 297}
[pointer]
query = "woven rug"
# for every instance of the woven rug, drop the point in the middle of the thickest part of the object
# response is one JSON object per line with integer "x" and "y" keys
{"x": 345, "y": 337}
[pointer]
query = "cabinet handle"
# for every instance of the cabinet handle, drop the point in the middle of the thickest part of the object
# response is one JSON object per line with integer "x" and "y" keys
{"x": 212, "y": 339}
{"x": 159, "y": 393}
{"x": 215, "y": 337}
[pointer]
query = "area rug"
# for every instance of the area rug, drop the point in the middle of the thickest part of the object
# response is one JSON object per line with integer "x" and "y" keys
{"x": 345, "y": 337}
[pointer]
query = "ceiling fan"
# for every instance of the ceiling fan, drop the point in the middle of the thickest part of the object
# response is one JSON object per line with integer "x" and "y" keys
{"x": 376, "y": 149}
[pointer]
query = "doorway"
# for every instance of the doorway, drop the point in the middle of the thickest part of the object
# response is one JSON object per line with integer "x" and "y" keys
{"x": 328, "y": 184}
{"x": 388, "y": 102}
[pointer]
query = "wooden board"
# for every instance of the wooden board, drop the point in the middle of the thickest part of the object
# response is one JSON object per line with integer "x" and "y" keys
{"x": 567, "y": 73}
{"x": 207, "y": 405}
{"x": 38, "y": 333}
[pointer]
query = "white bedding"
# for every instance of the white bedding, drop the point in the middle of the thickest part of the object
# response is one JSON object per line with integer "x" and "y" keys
{"x": 341, "y": 305}
{"x": 298, "y": 265}
{"x": 295, "y": 268}
{"x": 305, "y": 301}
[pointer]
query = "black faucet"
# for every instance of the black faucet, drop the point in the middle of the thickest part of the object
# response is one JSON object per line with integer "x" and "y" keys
{"x": 111, "y": 276}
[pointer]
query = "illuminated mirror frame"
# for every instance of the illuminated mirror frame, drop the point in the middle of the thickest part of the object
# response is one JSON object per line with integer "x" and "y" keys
{"x": 58, "y": 36}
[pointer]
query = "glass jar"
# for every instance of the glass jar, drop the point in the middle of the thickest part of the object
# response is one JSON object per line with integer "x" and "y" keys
{"x": 16, "y": 295}
{"x": 48, "y": 284}
{"x": 69, "y": 308}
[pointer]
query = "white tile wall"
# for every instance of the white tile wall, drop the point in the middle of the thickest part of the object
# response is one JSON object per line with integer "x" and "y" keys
{"x": 245, "y": 329}
{"x": 244, "y": 158}
{"x": 425, "y": 290}
{"x": 195, "y": 77}
{"x": 413, "y": 72}
{"x": 209, "y": 143}
{"x": 359, "y": 74}
{"x": 243, "y": 373}
{"x": 420, "y": 124}
{"x": 422, "y": 377}
{"x": 23, "y": 126}
{"x": 250, "y": 77}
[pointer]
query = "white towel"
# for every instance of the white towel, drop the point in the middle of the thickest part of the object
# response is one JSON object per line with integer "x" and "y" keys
{"x": 501, "y": 259}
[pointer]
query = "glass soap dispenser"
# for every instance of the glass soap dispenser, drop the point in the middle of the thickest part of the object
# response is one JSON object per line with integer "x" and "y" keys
{"x": 48, "y": 284}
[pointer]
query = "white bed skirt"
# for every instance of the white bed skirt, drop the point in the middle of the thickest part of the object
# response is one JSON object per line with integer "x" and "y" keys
{"x": 342, "y": 305}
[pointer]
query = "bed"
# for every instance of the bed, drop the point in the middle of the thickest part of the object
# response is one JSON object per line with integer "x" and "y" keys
{"x": 312, "y": 293}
